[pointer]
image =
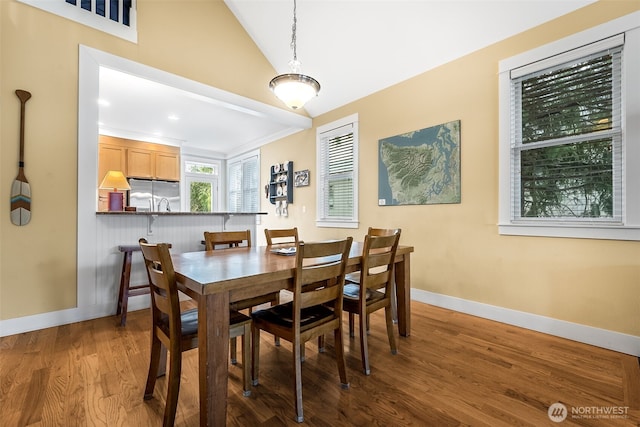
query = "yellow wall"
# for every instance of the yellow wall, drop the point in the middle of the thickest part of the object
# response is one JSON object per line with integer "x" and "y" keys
{"x": 458, "y": 251}
{"x": 200, "y": 40}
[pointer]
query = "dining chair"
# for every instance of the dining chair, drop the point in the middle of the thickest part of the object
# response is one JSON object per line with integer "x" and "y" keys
{"x": 288, "y": 237}
{"x": 229, "y": 239}
{"x": 374, "y": 289}
{"x": 177, "y": 331}
{"x": 215, "y": 240}
{"x": 354, "y": 277}
{"x": 281, "y": 236}
{"x": 313, "y": 311}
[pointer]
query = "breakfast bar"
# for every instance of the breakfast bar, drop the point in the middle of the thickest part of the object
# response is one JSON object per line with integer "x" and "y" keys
{"x": 184, "y": 230}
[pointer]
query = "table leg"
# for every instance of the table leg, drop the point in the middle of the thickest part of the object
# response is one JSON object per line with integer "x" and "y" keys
{"x": 403, "y": 294}
{"x": 213, "y": 349}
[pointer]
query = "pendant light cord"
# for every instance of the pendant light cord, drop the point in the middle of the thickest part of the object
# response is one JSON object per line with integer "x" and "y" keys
{"x": 293, "y": 32}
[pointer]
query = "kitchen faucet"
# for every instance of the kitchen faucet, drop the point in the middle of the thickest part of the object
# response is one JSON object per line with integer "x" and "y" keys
{"x": 168, "y": 205}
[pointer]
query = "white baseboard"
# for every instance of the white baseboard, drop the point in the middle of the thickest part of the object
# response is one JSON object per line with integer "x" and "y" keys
{"x": 624, "y": 343}
{"x": 63, "y": 317}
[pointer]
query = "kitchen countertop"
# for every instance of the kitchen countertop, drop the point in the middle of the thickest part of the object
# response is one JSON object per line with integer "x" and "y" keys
{"x": 147, "y": 213}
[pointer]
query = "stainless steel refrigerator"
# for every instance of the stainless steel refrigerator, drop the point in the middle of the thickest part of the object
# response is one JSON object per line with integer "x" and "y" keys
{"x": 155, "y": 196}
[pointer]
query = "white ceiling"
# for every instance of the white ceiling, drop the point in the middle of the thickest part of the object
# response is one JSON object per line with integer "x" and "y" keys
{"x": 142, "y": 103}
{"x": 353, "y": 48}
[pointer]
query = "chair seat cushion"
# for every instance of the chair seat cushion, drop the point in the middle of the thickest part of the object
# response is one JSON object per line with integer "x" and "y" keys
{"x": 189, "y": 321}
{"x": 282, "y": 314}
{"x": 352, "y": 304}
{"x": 236, "y": 318}
{"x": 352, "y": 291}
{"x": 352, "y": 277}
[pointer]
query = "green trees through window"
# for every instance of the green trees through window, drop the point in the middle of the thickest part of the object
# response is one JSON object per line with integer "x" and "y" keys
{"x": 570, "y": 135}
{"x": 201, "y": 197}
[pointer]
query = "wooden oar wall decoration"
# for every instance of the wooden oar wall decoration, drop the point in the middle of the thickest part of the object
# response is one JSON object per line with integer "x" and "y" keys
{"x": 20, "y": 189}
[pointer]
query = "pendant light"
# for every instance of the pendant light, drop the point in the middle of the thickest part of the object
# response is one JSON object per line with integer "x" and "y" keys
{"x": 294, "y": 88}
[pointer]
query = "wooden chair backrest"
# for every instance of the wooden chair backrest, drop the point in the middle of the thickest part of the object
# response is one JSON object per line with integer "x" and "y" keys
{"x": 165, "y": 302}
{"x": 378, "y": 256}
{"x": 281, "y": 236}
{"x": 321, "y": 263}
{"x": 381, "y": 231}
{"x": 230, "y": 239}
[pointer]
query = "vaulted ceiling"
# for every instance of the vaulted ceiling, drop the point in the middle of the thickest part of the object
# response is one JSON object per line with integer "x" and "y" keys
{"x": 353, "y": 48}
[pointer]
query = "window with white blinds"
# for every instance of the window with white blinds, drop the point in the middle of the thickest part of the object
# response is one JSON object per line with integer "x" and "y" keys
{"x": 234, "y": 177}
{"x": 243, "y": 182}
{"x": 569, "y": 146}
{"x": 337, "y": 184}
{"x": 250, "y": 184}
{"x": 116, "y": 17}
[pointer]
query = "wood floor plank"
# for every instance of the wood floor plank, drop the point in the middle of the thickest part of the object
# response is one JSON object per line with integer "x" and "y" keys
{"x": 32, "y": 409}
{"x": 454, "y": 369}
{"x": 53, "y": 406}
{"x": 631, "y": 374}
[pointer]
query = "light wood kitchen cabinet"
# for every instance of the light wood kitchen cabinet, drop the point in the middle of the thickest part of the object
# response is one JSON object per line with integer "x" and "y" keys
{"x": 167, "y": 166}
{"x": 136, "y": 159}
{"x": 140, "y": 163}
{"x": 139, "y": 159}
{"x": 153, "y": 164}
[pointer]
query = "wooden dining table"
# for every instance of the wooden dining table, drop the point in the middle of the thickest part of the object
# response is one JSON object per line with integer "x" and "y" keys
{"x": 214, "y": 279}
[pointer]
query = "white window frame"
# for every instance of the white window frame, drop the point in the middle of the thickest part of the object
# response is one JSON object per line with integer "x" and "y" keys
{"x": 321, "y": 221}
{"x": 189, "y": 177}
{"x": 90, "y": 18}
{"x": 240, "y": 160}
{"x": 559, "y": 52}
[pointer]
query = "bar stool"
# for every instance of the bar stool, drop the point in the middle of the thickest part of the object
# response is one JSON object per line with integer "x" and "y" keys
{"x": 126, "y": 290}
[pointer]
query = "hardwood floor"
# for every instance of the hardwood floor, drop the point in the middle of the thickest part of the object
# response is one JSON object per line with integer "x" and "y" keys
{"x": 455, "y": 369}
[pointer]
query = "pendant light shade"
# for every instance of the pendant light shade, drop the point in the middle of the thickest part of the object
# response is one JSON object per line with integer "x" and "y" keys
{"x": 294, "y": 88}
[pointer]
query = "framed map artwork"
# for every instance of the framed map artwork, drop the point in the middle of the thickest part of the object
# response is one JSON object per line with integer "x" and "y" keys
{"x": 420, "y": 167}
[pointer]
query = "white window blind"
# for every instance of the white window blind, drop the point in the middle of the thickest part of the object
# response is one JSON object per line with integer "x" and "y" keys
{"x": 235, "y": 187}
{"x": 250, "y": 184}
{"x": 337, "y": 180}
{"x": 567, "y": 148}
{"x": 243, "y": 183}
